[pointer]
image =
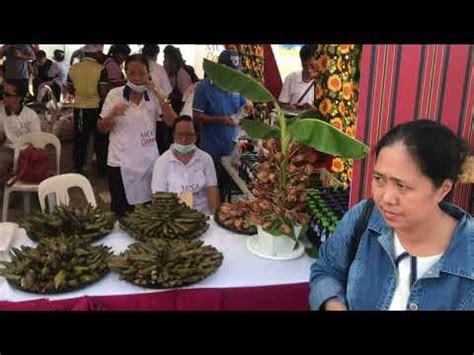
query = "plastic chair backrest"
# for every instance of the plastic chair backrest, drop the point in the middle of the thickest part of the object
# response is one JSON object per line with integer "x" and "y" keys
{"x": 60, "y": 185}
{"x": 37, "y": 140}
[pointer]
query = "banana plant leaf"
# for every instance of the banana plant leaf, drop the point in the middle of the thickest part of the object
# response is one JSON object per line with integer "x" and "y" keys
{"x": 326, "y": 138}
{"x": 311, "y": 114}
{"x": 260, "y": 130}
{"x": 234, "y": 81}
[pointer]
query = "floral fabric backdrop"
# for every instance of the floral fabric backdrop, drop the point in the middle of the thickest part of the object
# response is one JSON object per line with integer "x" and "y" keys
{"x": 337, "y": 94}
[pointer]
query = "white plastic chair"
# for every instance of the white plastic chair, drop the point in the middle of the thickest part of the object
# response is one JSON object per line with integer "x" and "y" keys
{"x": 60, "y": 184}
{"x": 37, "y": 140}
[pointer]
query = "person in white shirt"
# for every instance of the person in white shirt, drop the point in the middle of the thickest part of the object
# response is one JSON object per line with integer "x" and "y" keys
{"x": 160, "y": 78}
{"x": 15, "y": 121}
{"x": 297, "y": 92}
{"x": 129, "y": 114}
{"x": 58, "y": 72}
{"x": 185, "y": 169}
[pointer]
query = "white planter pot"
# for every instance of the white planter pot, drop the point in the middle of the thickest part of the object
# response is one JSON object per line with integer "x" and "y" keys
{"x": 280, "y": 247}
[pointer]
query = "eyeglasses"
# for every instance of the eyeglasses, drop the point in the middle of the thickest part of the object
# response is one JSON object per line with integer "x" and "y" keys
{"x": 6, "y": 94}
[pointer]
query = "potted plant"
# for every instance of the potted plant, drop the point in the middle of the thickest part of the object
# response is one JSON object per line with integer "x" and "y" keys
{"x": 282, "y": 177}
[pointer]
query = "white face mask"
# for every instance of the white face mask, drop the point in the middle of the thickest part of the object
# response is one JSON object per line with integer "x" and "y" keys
{"x": 183, "y": 149}
{"x": 137, "y": 88}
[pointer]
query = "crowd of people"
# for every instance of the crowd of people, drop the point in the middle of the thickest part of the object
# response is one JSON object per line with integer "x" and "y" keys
{"x": 160, "y": 128}
{"x": 146, "y": 120}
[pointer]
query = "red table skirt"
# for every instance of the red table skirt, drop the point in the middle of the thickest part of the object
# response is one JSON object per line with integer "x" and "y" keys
{"x": 281, "y": 297}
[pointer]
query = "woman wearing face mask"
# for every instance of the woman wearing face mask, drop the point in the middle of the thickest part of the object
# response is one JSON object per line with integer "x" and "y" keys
{"x": 185, "y": 169}
{"x": 129, "y": 114}
{"x": 416, "y": 251}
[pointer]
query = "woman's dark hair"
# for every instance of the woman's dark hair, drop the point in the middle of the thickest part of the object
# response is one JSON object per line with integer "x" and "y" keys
{"x": 150, "y": 50}
{"x": 307, "y": 51}
{"x": 438, "y": 151}
{"x": 168, "y": 49}
{"x": 40, "y": 54}
{"x": 174, "y": 54}
{"x": 58, "y": 55}
{"x": 119, "y": 49}
{"x": 137, "y": 58}
{"x": 184, "y": 118}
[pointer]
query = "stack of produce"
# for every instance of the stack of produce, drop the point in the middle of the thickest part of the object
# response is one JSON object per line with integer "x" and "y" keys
{"x": 167, "y": 217}
{"x": 90, "y": 223}
{"x": 161, "y": 263}
{"x": 56, "y": 265}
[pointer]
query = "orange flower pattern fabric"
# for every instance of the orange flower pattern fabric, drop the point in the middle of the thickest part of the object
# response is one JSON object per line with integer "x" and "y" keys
{"x": 336, "y": 95}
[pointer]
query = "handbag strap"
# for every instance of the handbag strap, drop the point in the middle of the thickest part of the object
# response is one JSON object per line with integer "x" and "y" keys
{"x": 311, "y": 84}
{"x": 360, "y": 228}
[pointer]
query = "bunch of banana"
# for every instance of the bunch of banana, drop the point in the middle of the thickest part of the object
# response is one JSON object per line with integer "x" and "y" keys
{"x": 90, "y": 223}
{"x": 161, "y": 263}
{"x": 167, "y": 217}
{"x": 56, "y": 265}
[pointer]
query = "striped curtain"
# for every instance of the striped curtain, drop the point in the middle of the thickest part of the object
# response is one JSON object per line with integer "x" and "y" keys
{"x": 400, "y": 83}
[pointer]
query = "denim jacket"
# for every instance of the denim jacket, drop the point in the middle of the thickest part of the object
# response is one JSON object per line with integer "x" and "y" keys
{"x": 372, "y": 278}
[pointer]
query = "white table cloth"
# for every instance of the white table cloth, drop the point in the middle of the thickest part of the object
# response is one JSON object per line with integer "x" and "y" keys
{"x": 239, "y": 268}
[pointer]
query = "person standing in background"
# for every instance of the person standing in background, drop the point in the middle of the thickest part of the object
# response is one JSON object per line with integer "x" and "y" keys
{"x": 113, "y": 64}
{"x": 41, "y": 66}
{"x": 297, "y": 92}
{"x": 179, "y": 78}
{"x": 58, "y": 74}
{"x": 17, "y": 57}
{"x": 87, "y": 81}
{"x": 160, "y": 79}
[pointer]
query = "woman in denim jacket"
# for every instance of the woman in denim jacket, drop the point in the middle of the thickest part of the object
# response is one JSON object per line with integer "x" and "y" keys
{"x": 417, "y": 251}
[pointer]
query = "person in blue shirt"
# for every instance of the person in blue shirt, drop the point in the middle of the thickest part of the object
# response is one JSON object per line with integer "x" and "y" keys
{"x": 417, "y": 250}
{"x": 212, "y": 109}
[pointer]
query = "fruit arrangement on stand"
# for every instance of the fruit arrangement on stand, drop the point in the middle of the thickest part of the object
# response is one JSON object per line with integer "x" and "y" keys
{"x": 166, "y": 217}
{"x": 162, "y": 263}
{"x": 276, "y": 205}
{"x": 56, "y": 265}
{"x": 90, "y": 223}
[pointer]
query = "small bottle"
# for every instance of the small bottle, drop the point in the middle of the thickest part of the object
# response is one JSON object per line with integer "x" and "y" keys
{"x": 324, "y": 230}
{"x": 318, "y": 223}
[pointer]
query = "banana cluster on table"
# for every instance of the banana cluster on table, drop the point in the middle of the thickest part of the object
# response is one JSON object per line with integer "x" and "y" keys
{"x": 166, "y": 217}
{"x": 56, "y": 265}
{"x": 90, "y": 223}
{"x": 162, "y": 263}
